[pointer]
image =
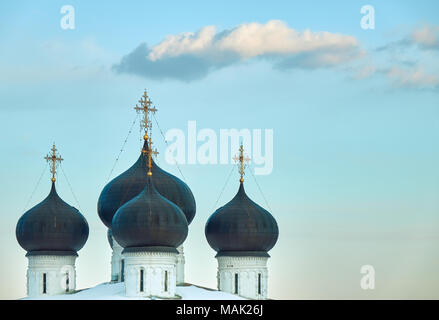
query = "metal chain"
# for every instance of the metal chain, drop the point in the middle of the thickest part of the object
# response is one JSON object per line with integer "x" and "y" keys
{"x": 224, "y": 187}
{"x": 123, "y": 146}
{"x": 70, "y": 186}
{"x": 164, "y": 138}
{"x": 260, "y": 190}
{"x": 36, "y": 186}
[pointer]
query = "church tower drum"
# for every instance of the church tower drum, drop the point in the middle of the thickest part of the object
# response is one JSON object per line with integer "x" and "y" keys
{"x": 130, "y": 183}
{"x": 52, "y": 232}
{"x": 150, "y": 228}
{"x": 242, "y": 233}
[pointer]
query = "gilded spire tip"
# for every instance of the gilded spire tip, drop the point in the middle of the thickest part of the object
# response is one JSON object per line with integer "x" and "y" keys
{"x": 146, "y": 108}
{"x": 242, "y": 160}
{"x": 55, "y": 159}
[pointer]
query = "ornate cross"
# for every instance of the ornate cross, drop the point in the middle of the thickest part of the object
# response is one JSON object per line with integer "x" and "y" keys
{"x": 145, "y": 108}
{"x": 54, "y": 158}
{"x": 150, "y": 152}
{"x": 241, "y": 160}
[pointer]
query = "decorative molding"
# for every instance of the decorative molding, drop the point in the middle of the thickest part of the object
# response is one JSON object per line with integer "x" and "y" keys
{"x": 57, "y": 269}
{"x": 157, "y": 267}
{"x": 247, "y": 270}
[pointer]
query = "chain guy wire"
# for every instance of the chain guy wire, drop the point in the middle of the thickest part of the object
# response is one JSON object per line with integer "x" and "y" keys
{"x": 36, "y": 186}
{"x": 121, "y": 149}
{"x": 224, "y": 187}
{"x": 164, "y": 138}
{"x": 71, "y": 189}
{"x": 260, "y": 190}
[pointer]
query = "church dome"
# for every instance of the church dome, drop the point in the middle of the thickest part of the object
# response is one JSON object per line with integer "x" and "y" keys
{"x": 241, "y": 227}
{"x": 149, "y": 221}
{"x": 52, "y": 227}
{"x": 129, "y": 184}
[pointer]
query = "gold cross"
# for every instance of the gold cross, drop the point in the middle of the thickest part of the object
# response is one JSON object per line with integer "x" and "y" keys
{"x": 145, "y": 108}
{"x": 241, "y": 160}
{"x": 54, "y": 158}
{"x": 150, "y": 152}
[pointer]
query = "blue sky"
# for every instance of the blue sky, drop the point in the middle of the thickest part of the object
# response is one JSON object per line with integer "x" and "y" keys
{"x": 354, "y": 113}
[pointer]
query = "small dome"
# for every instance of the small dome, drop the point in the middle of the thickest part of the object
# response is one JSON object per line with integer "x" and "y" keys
{"x": 52, "y": 226}
{"x": 241, "y": 227}
{"x": 149, "y": 220}
{"x": 129, "y": 184}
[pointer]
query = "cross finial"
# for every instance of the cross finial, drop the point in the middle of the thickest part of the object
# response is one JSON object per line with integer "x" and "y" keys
{"x": 145, "y": 108}
{"x": 54, "y": 158}
{"x": 242, "y": 160}
{"x": 149, "y": 152}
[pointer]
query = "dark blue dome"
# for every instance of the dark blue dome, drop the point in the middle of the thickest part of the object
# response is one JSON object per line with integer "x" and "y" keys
{"x": 129, "y": 184}
{"x": 241, "y": 227}
{"x": 52, "y": 227}
{"x": 148, "y": 221}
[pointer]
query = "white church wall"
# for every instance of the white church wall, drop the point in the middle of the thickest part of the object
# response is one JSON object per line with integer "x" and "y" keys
{"x": 159, "y": 274}
{"x": 180, "y": 265}
{"x": 49, "y": 274}
{"x": 252, "y": 276}
{"x": 117, "y": 257}
{"x": 116, "y": 262}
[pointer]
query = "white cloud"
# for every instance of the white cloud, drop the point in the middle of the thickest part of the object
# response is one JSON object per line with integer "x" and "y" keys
{"x": 364, "y": 72}
{"x": 416, "y": 78}
{"x": 184, "y": 43}
{"x": 426, "y": 37}
{"x": 203, "y": 51}
{"x": 251, "y": 40}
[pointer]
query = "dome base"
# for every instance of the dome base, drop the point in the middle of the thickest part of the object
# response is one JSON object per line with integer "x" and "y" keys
{"x": 242, "y": 254}
{"x": 51, "y": 253}
{"x": 246, "y": 276}
{"x": 150, "y": 274}
{"x": 50, "y": 274}
{"x": 150, "y": 249}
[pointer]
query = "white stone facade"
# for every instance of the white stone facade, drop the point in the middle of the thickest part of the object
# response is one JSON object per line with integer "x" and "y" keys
{"x": 117, "y": 266}
{"x": 50, "y": 275}
{"x": 158, "y": 270}
{"x": 180, "y": 266}
{"x": 116, "y": 262}
{"x": 243, "y": 275}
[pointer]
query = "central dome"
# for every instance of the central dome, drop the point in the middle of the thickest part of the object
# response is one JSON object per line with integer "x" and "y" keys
{"x": 149, "y": 220}
{"x": 129, "y": 184}
{"x": 52, "y": 226}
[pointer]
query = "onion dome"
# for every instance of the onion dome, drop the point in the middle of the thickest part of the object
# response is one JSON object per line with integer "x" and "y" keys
{"x": 130, "y": 183}
{"x": 52, "y": 227}
{"x": 241, "y": 227}
{"x": 149, "y": 222}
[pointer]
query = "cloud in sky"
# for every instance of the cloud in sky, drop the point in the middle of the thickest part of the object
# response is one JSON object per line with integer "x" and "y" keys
{"x": 414, "y": 78}
{"x": 410, "y": 57}
{"x": 189, "y": 56}
{"x": 425, "y": 37}
{"x": 403, "y": 76}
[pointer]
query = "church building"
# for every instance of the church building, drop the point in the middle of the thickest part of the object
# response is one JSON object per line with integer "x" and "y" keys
{"x": 147, "y": 212}
{"x": 52, "y": 233}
